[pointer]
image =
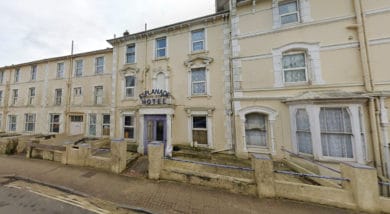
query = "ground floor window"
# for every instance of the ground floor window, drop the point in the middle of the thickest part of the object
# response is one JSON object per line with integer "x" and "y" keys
{"x": 128, "y": 127}
{"x": 12, "y": 123}
{"x": 54, "y": 123}
{"x": 92, "y": 124}
{"x": 256, "y": 129}
{"x": 106, "y": 125}
{"x": 29, "y": 125}
{"x": 199, "y": 130}
{"x": 327, "y": 132}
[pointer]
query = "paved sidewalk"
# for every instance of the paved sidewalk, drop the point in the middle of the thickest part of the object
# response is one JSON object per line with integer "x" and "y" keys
{"x": 154, "y": 196}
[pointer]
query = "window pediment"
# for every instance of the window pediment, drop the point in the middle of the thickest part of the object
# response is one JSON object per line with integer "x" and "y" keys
{"x": 128, "y": 69}
{"x": 198, "y": 61}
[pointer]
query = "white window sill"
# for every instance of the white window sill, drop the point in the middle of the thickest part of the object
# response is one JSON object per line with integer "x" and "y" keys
{"x": 198, "y": 52}
{"x": 129, "y": 99}
{"x": 161, "y": 58}
{"x": 199, "y": 96}
{"x": 258, "y": 149}
{"x": 130, "y": 63}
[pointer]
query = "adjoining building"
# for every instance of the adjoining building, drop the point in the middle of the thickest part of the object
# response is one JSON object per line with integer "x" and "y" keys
{"x": 307, "y": 77}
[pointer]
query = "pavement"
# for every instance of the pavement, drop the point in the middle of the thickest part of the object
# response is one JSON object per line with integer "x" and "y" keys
{"x": 139, "y": 193}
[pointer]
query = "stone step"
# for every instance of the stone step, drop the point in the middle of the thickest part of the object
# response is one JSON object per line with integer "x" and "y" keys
{"x": 240, "y": 181}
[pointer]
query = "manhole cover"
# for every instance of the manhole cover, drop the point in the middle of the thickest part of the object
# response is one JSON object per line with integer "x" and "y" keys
{"x": 89, "y": 174}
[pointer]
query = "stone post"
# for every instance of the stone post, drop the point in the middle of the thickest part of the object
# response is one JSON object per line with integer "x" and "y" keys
{"x": 155, "y": 155}
{"x": 118, "y": 155}
{"x": 363, "y": 183}
{"x": 264, "y": 175}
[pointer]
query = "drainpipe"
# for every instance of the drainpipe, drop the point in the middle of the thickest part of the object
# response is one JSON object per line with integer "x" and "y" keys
{"x": 68, "y": 90}
{"x": 233, "y": 114}
{"x": 368, "y": 82}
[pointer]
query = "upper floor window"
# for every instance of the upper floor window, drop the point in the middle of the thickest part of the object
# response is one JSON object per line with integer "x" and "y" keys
{"x": 198, "y": 40}
{"x": 77, "y": 91}
{"x": 288, "y": 12}
{"x": 294, "y": 67}
{"x": 58, "y": 96}
{"x": 198, "y": 81}
{"x": 1, "y": 77}
{"x": 1, "y": 97}
{"x": 99, "y": 65}
{"x": 130, "y": 53}
{"x": 78, "y": 72}
{"x": 33, "y": 72}
{"x": 129, "y": 86}
{"x": 60, "y": 70}
{"x": 17, "y": 73}
{"x": 31, "y": 95}
{"x": 161, "y": 47}
{"x": 98, "y": 95}
{"x": 14, "y": 96}
{"x": 297, "y": 63}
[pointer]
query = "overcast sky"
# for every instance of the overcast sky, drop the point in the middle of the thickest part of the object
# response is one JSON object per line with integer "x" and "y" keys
{"x": 38, "y": 29}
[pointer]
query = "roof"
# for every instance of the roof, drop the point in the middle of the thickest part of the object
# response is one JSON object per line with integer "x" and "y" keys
{"x": 101, "y": 51}
{"x": 178, "y": 25}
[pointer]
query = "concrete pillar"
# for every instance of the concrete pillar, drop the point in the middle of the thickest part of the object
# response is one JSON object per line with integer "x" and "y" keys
{"x": 155, "y": 155}
{"x": 264, "y": 175}
{"x": 118, "y": 155}
{"x": 363, "y": 183}
{"x": 169, "y": 148}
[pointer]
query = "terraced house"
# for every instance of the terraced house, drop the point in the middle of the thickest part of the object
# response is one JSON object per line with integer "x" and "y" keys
{"x": 275, "y": 77}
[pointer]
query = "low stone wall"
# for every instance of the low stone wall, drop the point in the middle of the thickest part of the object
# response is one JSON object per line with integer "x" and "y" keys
{"x": 81, "y": 155}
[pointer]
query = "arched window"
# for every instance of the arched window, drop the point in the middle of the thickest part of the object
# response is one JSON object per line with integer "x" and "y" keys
{"x": 160, "y": 81}
{"x": 303, "y": 132}
{"x": 256, "y": 129}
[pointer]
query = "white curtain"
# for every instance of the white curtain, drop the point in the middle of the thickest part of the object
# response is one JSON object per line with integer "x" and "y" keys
{"x": 256, "y": 130}
{"x": 294, "y": 67}
{"x": 303, "y": 132}
{"x": 336, "y": 132}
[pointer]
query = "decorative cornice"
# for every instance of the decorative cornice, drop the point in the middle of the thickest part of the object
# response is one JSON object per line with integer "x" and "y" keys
{"x": 204, "y": 60}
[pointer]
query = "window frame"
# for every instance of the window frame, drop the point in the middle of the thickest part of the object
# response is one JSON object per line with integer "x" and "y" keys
{"x": 60, "y": 70}
{"x": 106, "y": 125}
{"x": 17, "y": 75}
{"x": 290, "y": 53}
{"x": 31, "y": 95}
{"x": 79, "y": 67}
{"x": 313, "y": 111}
{"x": 165, "y": 48}
{"x": 53, "y": 123}
{"x": 129, "y": 87}
{"x": 265, "y": 130}
{"x": 15, "y": 96}
{"x": 132, "y": 126}
{"x": 99, "y": 69}
{"x": 27, "y": 122}
{"x": 97, "y": 96}
{"x": 12, "y": 122}
{"x": 133, "y": 53}
{"x": 77, "y": 91}
{"x": 34, "y": 71}
{"x": 297, "y": 12}
{"x": 203, "y": 41}
{"x": 206, "y": 129}
{"x": 92, "y": 124}
{"x": 58, "y": 99}
{"x": 199, "y": 82}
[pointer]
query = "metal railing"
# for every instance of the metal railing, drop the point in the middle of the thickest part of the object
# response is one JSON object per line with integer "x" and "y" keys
{"x": 210, "y": 164}
{"x": 311, "y": 161}
{"x": 310, "y": 175}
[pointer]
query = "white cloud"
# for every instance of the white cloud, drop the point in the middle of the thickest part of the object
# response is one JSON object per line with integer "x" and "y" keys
{"x": 45, "y": 28}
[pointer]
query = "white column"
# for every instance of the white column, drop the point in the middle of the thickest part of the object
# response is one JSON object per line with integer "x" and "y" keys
{"x": 141, "y": 134}
{"x": 168, "y": 150}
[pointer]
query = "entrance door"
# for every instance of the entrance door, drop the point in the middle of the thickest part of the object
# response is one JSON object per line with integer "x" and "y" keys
{"x": 76, "y": 125}
{"x": 155, "y": 130}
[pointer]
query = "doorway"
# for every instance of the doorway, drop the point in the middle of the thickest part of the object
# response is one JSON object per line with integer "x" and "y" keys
{"x": 76, "y": 125}
{"x": 155, "y": 130}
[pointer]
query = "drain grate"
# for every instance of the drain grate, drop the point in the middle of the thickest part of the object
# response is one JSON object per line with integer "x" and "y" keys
{"x": 88, "y": 174}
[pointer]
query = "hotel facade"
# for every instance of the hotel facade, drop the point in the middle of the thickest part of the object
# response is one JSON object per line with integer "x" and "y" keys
{"x": 259, "y": 76}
